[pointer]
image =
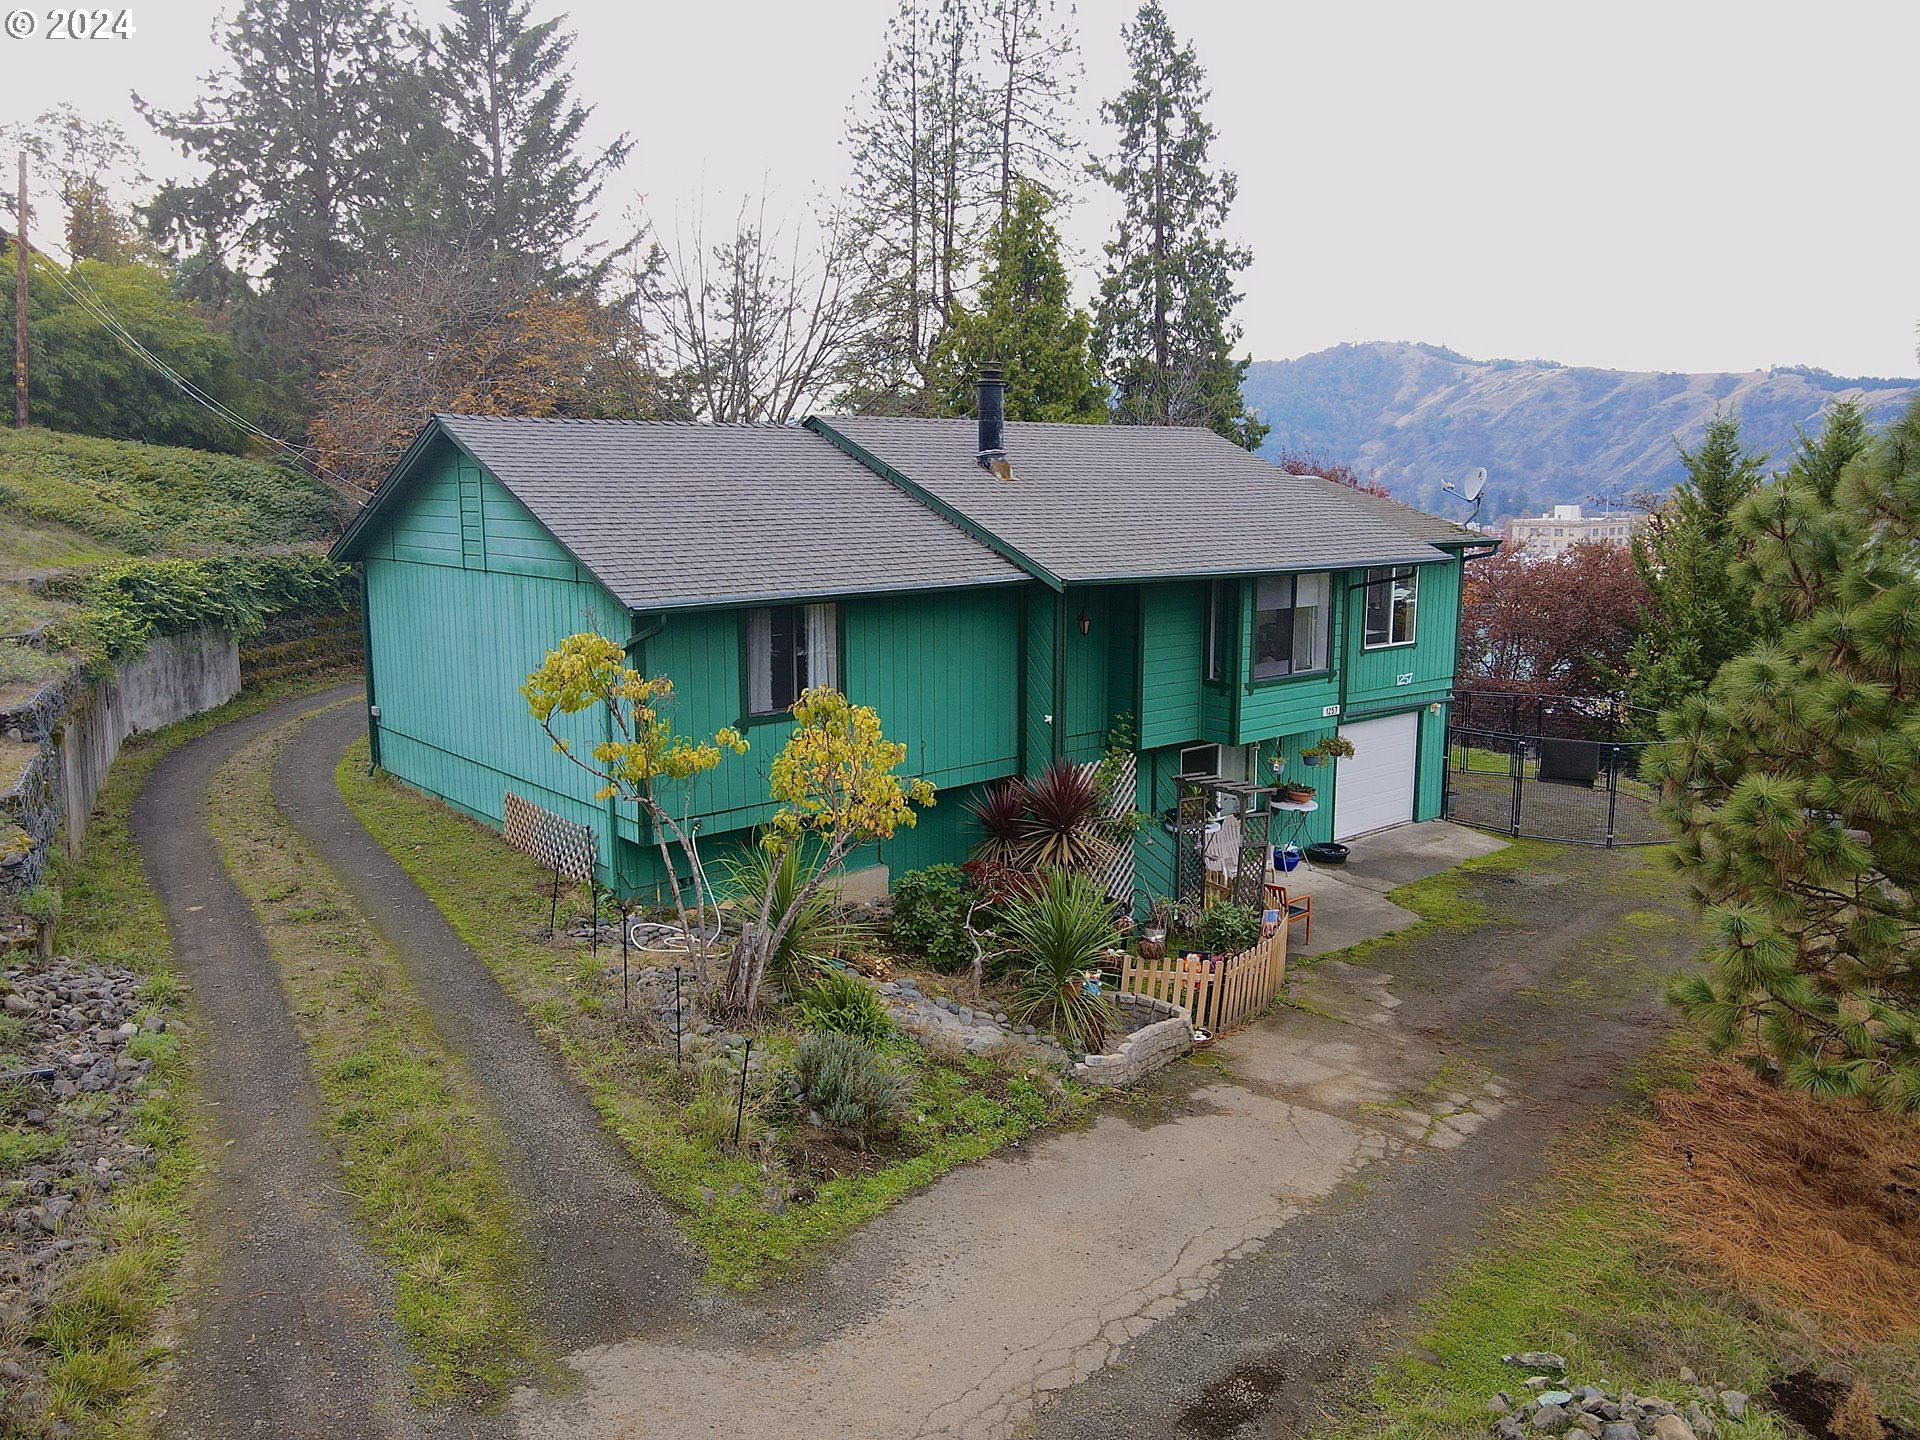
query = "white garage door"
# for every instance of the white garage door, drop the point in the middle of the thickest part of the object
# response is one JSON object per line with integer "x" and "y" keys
{"x": 1375, "y": 787}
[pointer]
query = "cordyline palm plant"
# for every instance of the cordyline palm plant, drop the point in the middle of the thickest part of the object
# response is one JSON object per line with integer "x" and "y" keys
{"x": 1052, "y": 939}
{"x": 817, "y": 933}
{"x": 1001, "y": 814}
{"x": 1062, "y": 828}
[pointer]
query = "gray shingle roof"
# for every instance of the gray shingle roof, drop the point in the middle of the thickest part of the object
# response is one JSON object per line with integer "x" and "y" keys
{"x": 668, "y": 514}
{"x": 1111, "y": 502}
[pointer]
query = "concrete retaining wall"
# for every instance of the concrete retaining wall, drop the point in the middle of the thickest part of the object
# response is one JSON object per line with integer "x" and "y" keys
{"x": 70, "y": 730}
{"x": 176, "y": 676}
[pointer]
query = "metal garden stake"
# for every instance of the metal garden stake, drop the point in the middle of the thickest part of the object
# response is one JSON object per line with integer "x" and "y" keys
{"x": 677, "y": 1026}
{"x": 740, "y": 1114}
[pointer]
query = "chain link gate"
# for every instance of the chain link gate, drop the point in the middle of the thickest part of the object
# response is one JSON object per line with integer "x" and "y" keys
{"x": 1550, "y": 768}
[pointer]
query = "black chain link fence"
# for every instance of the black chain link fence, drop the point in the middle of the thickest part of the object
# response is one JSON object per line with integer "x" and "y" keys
{"x": 1551, "y": 768}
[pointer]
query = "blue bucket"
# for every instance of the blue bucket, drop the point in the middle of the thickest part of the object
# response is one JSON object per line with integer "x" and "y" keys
{"x": 1286, "y": 858}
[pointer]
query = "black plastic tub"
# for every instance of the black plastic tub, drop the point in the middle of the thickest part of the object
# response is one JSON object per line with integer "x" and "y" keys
{"x": 1326, "y": 852}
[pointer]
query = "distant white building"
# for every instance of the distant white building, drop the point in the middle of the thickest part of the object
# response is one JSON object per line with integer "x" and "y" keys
{"x": 1566, "y": 525}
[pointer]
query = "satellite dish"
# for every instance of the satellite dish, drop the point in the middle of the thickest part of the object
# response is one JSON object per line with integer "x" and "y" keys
{"x": 1469, "y": 485}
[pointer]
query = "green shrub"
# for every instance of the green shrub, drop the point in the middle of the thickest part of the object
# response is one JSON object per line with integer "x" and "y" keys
{"x": 930, "y": 915}
{"x": 1053, "y": 938}
{"x": 1226, "y": 928}
{"x": 847, "y": 1005}
{"x": 849, "y": 1084}
{"x": 124, "y": 606}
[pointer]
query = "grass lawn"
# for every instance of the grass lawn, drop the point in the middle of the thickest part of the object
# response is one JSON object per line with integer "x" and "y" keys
{"x": 1584, "y": 1266}
{"x": 100, "y": 1333}
{"x": 419, "y": 1151}
{"x": 497, "y": 900}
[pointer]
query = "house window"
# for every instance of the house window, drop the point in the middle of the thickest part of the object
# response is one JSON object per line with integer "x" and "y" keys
{"x": 1219, "y": 628}
{"x": 790, "y": 647}
{"x": 1290, "y": 624}
{"x": 1200, "y": 760}
{"x": 1391, "y": 596}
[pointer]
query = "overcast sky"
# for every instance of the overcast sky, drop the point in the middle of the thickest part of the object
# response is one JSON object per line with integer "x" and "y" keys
{"x": 1680, "y": 185}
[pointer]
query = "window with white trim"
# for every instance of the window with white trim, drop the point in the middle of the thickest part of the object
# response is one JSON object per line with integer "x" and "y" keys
{"x": 789, "y": 649}
{"x": 1291, "y": 621}
{"x": 1392, "y": 594}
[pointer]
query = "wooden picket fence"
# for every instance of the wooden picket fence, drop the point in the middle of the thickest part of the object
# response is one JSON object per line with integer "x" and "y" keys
{"x": 1219, "y": 993}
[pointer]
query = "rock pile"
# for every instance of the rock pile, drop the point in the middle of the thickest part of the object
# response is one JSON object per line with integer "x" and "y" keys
{"x": 925, "y": 1016}
{"x": 1594, "y": 1412}
{"x": 72, "y": 1043}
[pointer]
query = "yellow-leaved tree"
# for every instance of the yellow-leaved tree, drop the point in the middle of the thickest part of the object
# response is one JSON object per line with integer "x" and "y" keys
{"x": 835, "y": 783}
{"x": 589, "y": 672}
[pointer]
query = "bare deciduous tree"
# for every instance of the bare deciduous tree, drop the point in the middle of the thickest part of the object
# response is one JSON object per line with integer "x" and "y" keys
{"x": 756, "y": 327}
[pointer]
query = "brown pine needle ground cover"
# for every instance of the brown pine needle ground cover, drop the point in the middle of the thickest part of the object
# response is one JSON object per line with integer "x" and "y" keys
{"x": 1813, "y": 1202}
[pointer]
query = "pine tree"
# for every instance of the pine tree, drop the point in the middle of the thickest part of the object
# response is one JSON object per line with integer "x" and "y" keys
{"x": 518, "y": 184}
{"x": 313, "y": 139}
{"x": 1794, "y": 783}
{"x": 921, "y": 146}
{"x": 1026, "y": 320}
{"x": 1033, "y": 67}
{"x": 1163, "y": 325}
{"x": 1816, "y": 467}
{"x": 1702, "y": 611}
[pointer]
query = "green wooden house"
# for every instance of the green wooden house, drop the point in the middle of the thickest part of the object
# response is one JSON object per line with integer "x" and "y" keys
{"x": 1004, "y": 596}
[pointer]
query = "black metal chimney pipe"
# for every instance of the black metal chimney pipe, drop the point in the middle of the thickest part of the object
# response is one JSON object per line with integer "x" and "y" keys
{"x": 993, "y": 415}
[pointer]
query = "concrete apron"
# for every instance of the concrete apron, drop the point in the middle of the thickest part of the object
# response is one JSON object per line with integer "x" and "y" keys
{"x": 1349, "y": 901}
{"x": 1018, "y": 1277}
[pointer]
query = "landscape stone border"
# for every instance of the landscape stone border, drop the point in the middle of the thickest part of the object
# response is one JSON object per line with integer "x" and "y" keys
{"x": 1153, "y": 1046}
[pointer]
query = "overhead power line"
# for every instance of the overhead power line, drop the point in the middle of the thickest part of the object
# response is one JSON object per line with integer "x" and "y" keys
{"x": 95, "y": 305}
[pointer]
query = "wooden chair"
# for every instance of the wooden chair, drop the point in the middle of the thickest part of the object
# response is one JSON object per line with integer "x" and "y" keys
{"x": 1294, "y": 911}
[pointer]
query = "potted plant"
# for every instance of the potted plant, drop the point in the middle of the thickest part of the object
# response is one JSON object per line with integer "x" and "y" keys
{"x": 1152, "y": 944}
{"x": 1335, "y": 747}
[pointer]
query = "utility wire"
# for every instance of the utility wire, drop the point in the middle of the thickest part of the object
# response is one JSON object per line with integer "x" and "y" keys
{"x": 95, "y": 305}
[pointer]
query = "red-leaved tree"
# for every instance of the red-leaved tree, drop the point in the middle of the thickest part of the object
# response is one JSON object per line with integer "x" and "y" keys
{"x": 1551, "y": 624}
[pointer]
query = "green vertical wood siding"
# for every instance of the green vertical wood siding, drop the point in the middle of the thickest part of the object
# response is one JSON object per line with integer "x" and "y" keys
{"x": 1173, "y": 620}
{"x": 1373, "y": 675}
{"x": 1041, "y": 701}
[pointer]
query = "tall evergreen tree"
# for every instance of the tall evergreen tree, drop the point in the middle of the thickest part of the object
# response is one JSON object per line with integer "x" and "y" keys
{"x": 1816, "y": 467}
{"x": 1794, "y": 783}
{"x": 519, "y": 185}
{"x": 1032, "y": 70}
{"x": 1702, "y": 610}
{"x": 921, "y": 151}
{"x": 1025, "y": 320}
{"x": 970, "y": 97}
{"x": 1163, "y": 325}
{"x": 313, "y": 136}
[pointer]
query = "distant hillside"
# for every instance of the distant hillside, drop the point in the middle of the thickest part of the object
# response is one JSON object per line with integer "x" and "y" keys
{"x": 1421, "y": 414}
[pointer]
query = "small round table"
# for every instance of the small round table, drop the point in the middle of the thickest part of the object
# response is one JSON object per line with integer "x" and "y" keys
{"x": 1294, "y": 830}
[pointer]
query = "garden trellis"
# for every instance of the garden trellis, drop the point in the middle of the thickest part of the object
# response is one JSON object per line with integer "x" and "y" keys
{"x": 569, "y": 849}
